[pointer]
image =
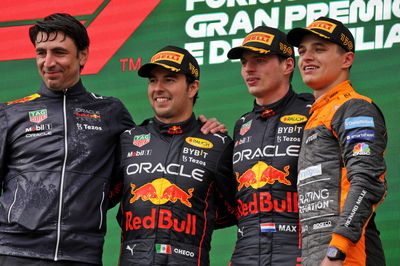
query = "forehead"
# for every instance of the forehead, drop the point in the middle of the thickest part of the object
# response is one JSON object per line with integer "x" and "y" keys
{"x": 60, "y": 38}
{"x": 159, "y": 71}
{"x": 249, "y": 55}
{"x": 311, "y": 39}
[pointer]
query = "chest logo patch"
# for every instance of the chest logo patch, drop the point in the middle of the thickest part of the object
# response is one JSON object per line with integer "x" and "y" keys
{"x": 38, "y": 116}
{"x": 293, "y": 119}
{"x": 201, "y": 143}
{"x": 261, "y": 174}
{"x": 141, "y": 140}
{"x": 161, "y": 191}
{"x": 245, "y": 127}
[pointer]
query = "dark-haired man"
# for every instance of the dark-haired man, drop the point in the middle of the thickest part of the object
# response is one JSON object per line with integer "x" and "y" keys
{"x": 57, "y": 154}
{"x": 267, "y": 144}
{"x": 178, "y": 182}
{"x": 341, "y": 167}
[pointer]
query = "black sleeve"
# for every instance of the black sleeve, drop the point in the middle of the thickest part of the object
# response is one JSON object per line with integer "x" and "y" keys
{"x": 3, "y": 145}
{"x": 225, "y": 190}
{"x": 115, "y": 192}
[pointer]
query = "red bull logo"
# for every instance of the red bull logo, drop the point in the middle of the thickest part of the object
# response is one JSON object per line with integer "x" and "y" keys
{"x": 261, "y": 174}
{"x": 263, "y": 202}
{"x": 96, "y": 116}
{"x": 161, "y": 191}
{"x": 163, "y": 220}
{"x": 268, "y": 113}
{"x": 175, "y": 130}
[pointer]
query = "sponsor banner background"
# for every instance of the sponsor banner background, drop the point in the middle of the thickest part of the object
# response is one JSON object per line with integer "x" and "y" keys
{"x": 125, "y": 34}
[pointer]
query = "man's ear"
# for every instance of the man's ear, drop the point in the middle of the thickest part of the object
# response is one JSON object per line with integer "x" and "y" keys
{"x": 289, "y": 66}
{"x": 348, "y": 59}
{"x": 83, "y": 56}
{"x": 194, "y": 88}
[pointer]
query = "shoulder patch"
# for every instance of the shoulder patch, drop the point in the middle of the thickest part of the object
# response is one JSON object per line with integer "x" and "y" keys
{"x": 25, "y": 99}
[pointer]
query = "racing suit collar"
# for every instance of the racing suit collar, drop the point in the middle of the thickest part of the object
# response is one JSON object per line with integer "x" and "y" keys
{"x": 343, "y": 87}
{"x": 175, "y": 128}
{"x": 77, "y": 89}
{"x": 272, "y": 109}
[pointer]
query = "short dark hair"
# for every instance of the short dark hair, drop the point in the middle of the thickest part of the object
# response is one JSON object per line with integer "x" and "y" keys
{"x": 61, "y": 22}
{"x": 190, "y": 79}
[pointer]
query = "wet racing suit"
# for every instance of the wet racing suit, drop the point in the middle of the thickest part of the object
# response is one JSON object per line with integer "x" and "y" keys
{"x": 341, "y": 178}
{"x": 56, "y": 162}
{"x": 174, "y": 181}
{"x": 267, "y": 144}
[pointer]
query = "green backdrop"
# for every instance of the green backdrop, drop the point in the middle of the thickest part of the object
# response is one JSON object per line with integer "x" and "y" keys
{"x": 209, "y": 28}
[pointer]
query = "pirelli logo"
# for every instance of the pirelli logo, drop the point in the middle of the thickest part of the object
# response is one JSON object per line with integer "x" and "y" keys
{"x": 323, "y": 25}
{"x": 168, "y": 56}
{"x": 261, "y": 37}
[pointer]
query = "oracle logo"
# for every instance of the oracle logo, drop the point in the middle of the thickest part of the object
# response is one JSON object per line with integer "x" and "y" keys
{"x": 105, "y": 31}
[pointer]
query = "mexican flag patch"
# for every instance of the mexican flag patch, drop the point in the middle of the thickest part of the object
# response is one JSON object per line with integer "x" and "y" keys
{"x": 163, "y": 249}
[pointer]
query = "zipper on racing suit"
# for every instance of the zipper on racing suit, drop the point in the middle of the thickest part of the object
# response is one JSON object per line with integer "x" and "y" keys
{"x": 12, "y": 204}
{"x": 62, "y": 174}
{"x": 101, "y": 208}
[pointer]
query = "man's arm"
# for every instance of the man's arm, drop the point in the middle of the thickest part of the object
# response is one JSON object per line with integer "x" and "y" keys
{"x": 115, "y": 192}
{"x": 3, "y": 145}
{"x": 225, "y": 189}
{"x": 361, "y": 132}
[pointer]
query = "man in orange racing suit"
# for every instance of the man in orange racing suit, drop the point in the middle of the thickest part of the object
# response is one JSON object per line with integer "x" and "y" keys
{"x": 341, "y": 166}
{"x": 267, "y": 144}
{"x": 175, "y": 177}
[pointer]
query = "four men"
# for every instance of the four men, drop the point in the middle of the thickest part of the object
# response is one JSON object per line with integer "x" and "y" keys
{"x": 175, "y": 177}
{"x": 267, "y": 144}
{"x": 341, "y": 167}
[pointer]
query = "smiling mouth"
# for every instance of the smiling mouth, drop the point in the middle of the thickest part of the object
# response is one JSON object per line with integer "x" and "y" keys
{"x": 310, "y": 67}
{"x": 162, "y": 99}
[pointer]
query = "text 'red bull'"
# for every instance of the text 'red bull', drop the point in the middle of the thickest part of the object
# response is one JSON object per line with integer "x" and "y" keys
{"x": 164, "y": 221}
{"x": 263, "y": 202}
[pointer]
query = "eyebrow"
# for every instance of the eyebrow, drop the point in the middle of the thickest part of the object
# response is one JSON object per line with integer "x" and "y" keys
{"x": 317, "y": 43}
{"x": 57, "y": 48}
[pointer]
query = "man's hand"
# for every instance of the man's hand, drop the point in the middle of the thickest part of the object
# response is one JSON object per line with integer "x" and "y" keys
{"x": 211, "y": 125}
{"x": 328, "y": 262}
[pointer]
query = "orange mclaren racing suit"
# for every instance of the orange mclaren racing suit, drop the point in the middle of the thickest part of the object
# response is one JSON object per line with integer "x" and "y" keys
{"x": 267, "y": 145}
{"x": 341, "y": 178}
{"x": 174, "y": 179}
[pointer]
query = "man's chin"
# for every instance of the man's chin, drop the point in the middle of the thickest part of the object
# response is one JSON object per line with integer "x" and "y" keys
{"x": 54, "y": 86}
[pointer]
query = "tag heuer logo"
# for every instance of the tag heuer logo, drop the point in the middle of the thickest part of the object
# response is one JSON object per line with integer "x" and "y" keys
{"x": 38, "y": 115}
{"x": 141, "y": 140}
{"x": 245, "y": 128}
